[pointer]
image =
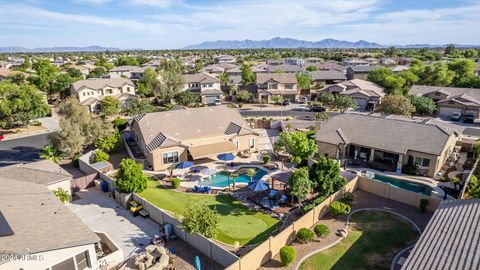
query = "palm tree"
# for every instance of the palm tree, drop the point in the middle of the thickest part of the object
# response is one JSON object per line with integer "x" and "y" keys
{"x": 234, "y": 177}
{"x": 50, "y": 152}
{"x": 251, "y": 173}
{"x": 170, "y": 170}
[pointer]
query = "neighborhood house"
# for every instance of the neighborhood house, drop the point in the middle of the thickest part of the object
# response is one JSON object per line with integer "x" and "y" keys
{"x": 205, "y": 86}
{"x": 366, "y": 94}
{"x": 282, "y": 84}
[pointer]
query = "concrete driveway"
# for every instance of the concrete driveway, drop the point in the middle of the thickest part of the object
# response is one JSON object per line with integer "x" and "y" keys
{"x": 102, "y": 213}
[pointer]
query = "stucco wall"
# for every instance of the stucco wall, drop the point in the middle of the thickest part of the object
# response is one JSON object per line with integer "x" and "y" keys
{"x": 327, "y": 148}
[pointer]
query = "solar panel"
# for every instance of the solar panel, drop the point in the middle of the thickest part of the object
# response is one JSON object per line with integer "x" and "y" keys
{"x": 5, "y": 229}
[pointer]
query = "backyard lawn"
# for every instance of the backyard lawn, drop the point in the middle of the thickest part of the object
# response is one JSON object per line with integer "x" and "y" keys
{"x": 373, "y": 240}
{"x": 238, "y": 223}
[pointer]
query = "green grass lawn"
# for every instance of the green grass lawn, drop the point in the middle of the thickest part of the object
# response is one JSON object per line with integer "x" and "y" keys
{"x": 238, "y": 223}
{"x": 373, "y": 240}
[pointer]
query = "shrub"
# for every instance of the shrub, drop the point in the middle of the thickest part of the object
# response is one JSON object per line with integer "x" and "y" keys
{"x": 348, "y": 198}
{"x": 287, "y": 255}
{"x": 62, "y": 195}
{"x": 99, "y": 156}
{"x": 266, "y": 159}
{"x": 305, "y": 235}
{"x": 175, "y": 183}
{"x": 120, "y": 123}
{"x": 340, "y": 208}
{"x": 423, "y": 205}
{"x": 321, "y": 230}
{"x": 308, "y": 207}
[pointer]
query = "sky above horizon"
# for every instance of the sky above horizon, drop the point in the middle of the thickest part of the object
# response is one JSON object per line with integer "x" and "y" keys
{"x": 173, "y": 24}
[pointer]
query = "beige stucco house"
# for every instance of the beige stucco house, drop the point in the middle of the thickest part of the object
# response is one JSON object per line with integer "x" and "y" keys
{"x": 206, "y": 86}
{"x": 282, "y": 84}
{"x": 166, "y": 138}
{"x": 366, "y": 94}
{"x": 451, "y": 99}
{"x": 90, "y": 92}
{"x": 387, "y": 144}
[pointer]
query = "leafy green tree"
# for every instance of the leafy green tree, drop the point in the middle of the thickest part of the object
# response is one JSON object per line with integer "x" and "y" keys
{"x": 436, "y": 74}
{"x": 297, "y": 145}
{"x": 473, "y": 187}
{"x": 185, "y": 98}
{"x": 199, "y": 218}
{"x": 391, "y": 51}
{"x": 100, "y": 156}
{"x": 198, "y": 65}
{"x": 120, "y": 124}
{"x": 20, "y": 104}
{"x": 61, "y": 85}
{"x": 248, "y": 76}
{"x": 17, "y": 78}
{"x": 77, "y": 128}
{"x": 343, "y": 103}
{"x": 470, "y": 53}
{"x": 74, "y": 73}
{"x": 138, "y": 106}
{"x": 300, "y": 184}
{"x": 311, "y": 68}
{"x": 450, "y": 49}
{"x": 127, "y": 61}
{"x": 462, "y": 68}
{"x": 110, "y": 106}
{"x": 277, "y": 99}
{"x": 423, "y": 105}
{"x": 51, "y": 153}
{"x": 148, "y": 83}
{"x": 327, "y": 99}
{"x": 398, "y": 105}
{"x": 224, "y": 79}
{"x": 385, "y": 78}
{"x": 244, "y": 96}
{"x": 130, "y": 177}
{"x": 325, "y": 176}
{"x": 251, "y": 173}
{"x": 97, "y": 72}
{"x": 109, "y": 142}
{"x": 45, "y": 75}
{"x": 304, "y": 81}
{"x": 171, "y": 81}
{"x": 409, "y": 79}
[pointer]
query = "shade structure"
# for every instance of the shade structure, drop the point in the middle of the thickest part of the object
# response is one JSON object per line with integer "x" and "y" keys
{"x": 258, "y": 186}
{"x": 184, "y": 165}
{"x": 207, "y": 171}
{"x": 226, "y": 156}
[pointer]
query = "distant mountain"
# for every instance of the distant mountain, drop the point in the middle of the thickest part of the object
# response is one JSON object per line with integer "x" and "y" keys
{"x": 283, "y": 43}
{"x": 57, "y": 49}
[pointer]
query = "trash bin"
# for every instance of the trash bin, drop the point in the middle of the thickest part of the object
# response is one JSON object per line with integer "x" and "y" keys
{"x": 104, "y": 186}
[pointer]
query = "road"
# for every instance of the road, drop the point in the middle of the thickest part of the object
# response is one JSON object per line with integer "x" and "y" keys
{"x": 20, "y": 150}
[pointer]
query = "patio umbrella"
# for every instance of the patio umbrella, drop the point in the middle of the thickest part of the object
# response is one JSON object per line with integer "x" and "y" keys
{"x": 184, "y": 165}
{"x": 258, "y": 186}
{"x": 226, "y": 156}
{"x": 207, "y": 171}
{"x": 197, "y": 263}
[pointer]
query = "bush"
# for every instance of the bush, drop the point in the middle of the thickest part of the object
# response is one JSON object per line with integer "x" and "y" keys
{"x": 99, "y": 156}
{"x": 348, "y": 198}
{"x": 287, "y": 255}
{"x": 340, "y": 208}
{"x": 266, "y": 159}
{"x": 175, "y": 183}
{"x": 120, "y": 123}
{"x": 423, "y": 205}
{"x": 305, "y": 235}
{"x": 321, "y": 230}
{"x": 307, "y": 208}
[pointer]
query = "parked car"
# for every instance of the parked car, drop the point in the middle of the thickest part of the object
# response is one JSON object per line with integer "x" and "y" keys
{"x": 1, "y": 136}
{"x": 317, "y": 109}
{"x": 286, "y": 102}
{"x": 455, "y": 116}
{"x": 469, "y": 118}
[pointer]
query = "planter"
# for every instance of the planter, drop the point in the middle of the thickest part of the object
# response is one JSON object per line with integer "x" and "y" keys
{"x": 123, "y": 198}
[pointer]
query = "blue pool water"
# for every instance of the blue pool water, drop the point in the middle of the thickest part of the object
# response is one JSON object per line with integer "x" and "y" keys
{"x": 221, "y": 179}
{"x": 405, "y": 184}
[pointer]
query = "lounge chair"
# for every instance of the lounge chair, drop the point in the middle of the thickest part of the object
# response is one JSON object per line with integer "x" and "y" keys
{"x": 272, "y": 193}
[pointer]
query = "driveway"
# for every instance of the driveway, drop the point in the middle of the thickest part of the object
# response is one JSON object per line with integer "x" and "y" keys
{"x": 102, "y": 213}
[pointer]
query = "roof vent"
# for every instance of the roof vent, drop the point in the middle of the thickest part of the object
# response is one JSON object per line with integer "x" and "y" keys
{"x": 5, "y": 229}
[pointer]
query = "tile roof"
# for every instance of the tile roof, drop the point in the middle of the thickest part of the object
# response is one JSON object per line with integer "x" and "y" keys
{"x": 98, "y": 84}
{"x": 365, "y": 69}
{"x": 279, "y": 77}
{"x": 451, "y": 239}
{"x": 122, "y": 68}
{"x": 26, "y": 173}
{"x": 422, "y": 90}
{"x": 327, "y": 74}
{"x": 397, "y": 136}
{"x": 199, "y": 78}
{"x": 39, "y": 221}
{"x": 285, "y": 68}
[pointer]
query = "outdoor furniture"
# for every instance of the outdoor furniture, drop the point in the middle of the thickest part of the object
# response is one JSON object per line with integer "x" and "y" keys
{"x": 143, "y": 213}
{"x": 272, "y": 193}
{"x": 282, "y": 199}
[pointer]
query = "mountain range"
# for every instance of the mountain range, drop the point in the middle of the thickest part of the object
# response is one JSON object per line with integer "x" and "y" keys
{"x": 57, "y": 49}
{"x": 290, "y": 43}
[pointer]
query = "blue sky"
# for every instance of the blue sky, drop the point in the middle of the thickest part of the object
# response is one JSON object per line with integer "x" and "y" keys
{"x": 170, "y": 24}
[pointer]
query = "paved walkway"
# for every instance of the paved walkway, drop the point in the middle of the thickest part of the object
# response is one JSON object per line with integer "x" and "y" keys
{"x": 362, "y": 200}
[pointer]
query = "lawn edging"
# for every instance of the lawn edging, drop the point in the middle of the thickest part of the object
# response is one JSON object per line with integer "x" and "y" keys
{"x": 347, "y": 223}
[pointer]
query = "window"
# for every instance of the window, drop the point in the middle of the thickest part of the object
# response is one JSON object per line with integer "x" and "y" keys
{"x": 84, "y": 94}
{"x": 422, "y": 162}
{"x": 82, "y": 260}
{"x": 109, "y": 91}
{"x": 289, "y": 86}
{"x": 171, "y": 157}
{"x": 128, "y": 89}
{"x": 273, "y": 86}
{"x": 237, "y": 144}
{"x": 251, "y": 142}
{"x": 68, "y": 264}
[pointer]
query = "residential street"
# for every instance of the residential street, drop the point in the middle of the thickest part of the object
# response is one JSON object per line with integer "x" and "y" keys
{"x": 20, "y": 150}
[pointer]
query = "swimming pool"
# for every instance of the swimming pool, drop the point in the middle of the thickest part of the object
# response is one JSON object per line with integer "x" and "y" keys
{"x": 220, "y": 179}
{"x": 405, "y": 184}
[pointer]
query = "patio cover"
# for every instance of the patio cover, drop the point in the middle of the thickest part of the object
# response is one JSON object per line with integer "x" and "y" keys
{"x": 207, "y": 150}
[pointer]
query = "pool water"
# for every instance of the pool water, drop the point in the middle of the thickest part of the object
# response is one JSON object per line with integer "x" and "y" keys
{"x": 221, "y": 179}
{"x": 405, "y": 184}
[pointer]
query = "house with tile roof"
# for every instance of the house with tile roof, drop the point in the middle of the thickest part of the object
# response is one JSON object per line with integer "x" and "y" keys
{"x": 91, "y": 92}
{"x": 451, "y": 99}
{"x": 366, "y": 94}
{"x": 281, "y": 84}
{"x": 170, "y": 137}
{"x": 356, "y": 138}
{"x": 206, "y": 86}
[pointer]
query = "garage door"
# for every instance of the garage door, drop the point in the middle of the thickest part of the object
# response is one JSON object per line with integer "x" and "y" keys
{"x": 210, "y": 99}
{"x": 474, "y": 112}
{"x": 361, "y": 102}
{"x": 447, "y": 111}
